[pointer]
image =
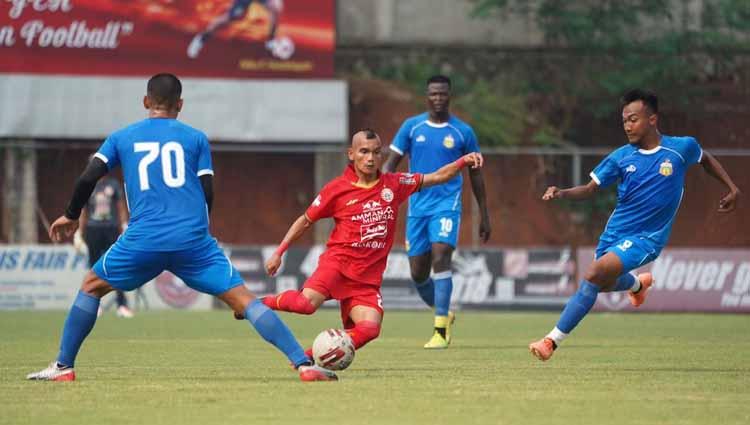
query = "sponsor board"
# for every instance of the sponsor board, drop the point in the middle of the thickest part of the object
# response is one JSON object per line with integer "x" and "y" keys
{"x": 481, "y": 278}
{"x": 48, "y": 277}
{"x": 195, "y": 38}
{"x": 697, "y": 279}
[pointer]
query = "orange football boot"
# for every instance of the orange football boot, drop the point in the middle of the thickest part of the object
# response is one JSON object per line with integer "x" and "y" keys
{"x": 637, "y": 298}
{"x": 543, "y": 349}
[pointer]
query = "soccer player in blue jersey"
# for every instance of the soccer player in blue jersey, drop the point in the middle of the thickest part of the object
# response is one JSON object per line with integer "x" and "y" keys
{"x": 169, "y": 187}
{"x": 431, "y": 140}
{"x": 650, "y": 171}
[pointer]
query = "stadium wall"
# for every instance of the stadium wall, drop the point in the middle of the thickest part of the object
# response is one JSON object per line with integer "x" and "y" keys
{"x": 259, "y": 194}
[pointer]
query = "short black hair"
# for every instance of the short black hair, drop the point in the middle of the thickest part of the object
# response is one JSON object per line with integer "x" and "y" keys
{"x": 164, "y": 89}
{"x": 439, "y": 79}
{"x": 648, "y": 98}
{"x": 369, "y": 134}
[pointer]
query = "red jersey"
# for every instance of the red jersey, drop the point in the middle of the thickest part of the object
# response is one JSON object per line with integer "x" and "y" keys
{"x": 365, "y": 221}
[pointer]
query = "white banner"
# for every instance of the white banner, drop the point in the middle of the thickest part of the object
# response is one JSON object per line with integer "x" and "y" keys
{"x": 48, "y": 277}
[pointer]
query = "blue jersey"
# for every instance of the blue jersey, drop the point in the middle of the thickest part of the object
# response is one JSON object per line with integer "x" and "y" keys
{"x": 650, "y": 188}
{"x": 161, "y": 160}
{"x": 431, "y": 146}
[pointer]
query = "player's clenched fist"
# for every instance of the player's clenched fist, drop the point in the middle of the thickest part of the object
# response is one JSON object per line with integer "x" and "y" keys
{"x": 474, "y": 160}
{"x": 552, "y": 192}
{"x": 273, "y": 264}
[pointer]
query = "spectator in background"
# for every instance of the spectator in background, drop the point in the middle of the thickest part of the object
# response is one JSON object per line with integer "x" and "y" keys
{"x": 102, "y": 221}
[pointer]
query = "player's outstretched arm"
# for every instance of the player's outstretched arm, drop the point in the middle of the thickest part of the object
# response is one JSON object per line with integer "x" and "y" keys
{"x": 575, "y": 193}
{"x": 713, "y": 167}
{"x": 296, "y": 230}
{"x": 448, "y": 171}
{"x": 66, "y": 225}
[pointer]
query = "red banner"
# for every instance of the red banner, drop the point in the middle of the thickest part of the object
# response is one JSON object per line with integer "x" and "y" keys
{"x": 687, "y": 280}
{"x": 191, "y": 38}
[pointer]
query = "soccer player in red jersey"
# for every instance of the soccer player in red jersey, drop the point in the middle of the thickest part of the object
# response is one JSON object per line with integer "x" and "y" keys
{"x": 364, "y": 204}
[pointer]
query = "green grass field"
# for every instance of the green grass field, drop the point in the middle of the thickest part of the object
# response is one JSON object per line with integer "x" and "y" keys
{"x": 181, "y": 368}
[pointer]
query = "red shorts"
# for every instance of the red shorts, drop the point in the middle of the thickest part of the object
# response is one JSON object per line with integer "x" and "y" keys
{"x": 350, "y": 293}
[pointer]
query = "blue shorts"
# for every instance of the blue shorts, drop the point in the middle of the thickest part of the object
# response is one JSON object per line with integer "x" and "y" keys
{"x": 422, "y": 232}
{"x": 204, "y": 268}
{"x": 633, "y": 251}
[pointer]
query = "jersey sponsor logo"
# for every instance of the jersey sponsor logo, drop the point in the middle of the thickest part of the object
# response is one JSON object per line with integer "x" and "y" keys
{"x": 370, "y": 205}
{"x": 374, "y": 215}
{"x": 421, "y": 138}
{"x": 407, "y": 179}
{"x": 630, "y": 169}
{"x": 372, "y": 231}
{"x": 665, "y": 168}
{"x": 316, "y": 202}
{"x": 352, "y": 202}
{"x": 448, "y": 142}
{"x": 386, "y": 194}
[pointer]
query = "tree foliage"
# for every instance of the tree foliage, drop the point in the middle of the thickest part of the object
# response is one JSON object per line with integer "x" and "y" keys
{"x": 608, "y": 46}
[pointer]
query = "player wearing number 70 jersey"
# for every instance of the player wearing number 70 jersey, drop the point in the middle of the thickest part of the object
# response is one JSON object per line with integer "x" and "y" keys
{"x": 168, "y": 183}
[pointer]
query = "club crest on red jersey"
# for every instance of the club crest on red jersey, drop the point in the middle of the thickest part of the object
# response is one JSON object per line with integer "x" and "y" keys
{"x": 386, "y": 194}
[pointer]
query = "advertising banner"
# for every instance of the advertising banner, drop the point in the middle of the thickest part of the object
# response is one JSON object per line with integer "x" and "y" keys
{"x": 707, "y": 280}
{"x": 48, "y": 277}
{"x": 191, "y": 38}
{"x": 481, "y": 278}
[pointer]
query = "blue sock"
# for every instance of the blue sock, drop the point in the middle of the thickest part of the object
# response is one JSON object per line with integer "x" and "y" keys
{"x": 443, "y": 289}
{"x": 273, "y": 330}
{"x": 426, "y": 291}
{"x": 80, "y": 321}
{"x": 624, "y": 282}
{"x": 578, "y": 306}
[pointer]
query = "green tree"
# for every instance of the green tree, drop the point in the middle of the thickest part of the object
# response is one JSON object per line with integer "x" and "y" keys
{"x": 601, "y": 48}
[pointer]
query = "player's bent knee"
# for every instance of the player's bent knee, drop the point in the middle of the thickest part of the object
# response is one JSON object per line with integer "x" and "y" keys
{"x": 95, "y": 286}
{"x": 364, "y": 332}
{"x": 596, "y": 275}
{"x": 420, "y": 277}
{"x": 304, "y": 306}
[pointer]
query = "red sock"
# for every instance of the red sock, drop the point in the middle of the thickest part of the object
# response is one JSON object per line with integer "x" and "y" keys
{"x": 291, "y": 301}
{"x": 363, "y": 332}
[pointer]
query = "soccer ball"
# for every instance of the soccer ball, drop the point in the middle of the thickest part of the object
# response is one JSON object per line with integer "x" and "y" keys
{"x": 333, "y": 349}
{"x": 281, "y": 47}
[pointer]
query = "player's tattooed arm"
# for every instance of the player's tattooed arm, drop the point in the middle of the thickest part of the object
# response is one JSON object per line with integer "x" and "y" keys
{"x": 714, "y": 168}
{"x": 575, "y": 193}
{"x": 296, "y": 230}
{"x": 448, "y": 171}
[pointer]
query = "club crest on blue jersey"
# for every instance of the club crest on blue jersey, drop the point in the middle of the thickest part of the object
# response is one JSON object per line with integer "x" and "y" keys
{"x": 665, "y": 168}
{"x": 448, "y": 142}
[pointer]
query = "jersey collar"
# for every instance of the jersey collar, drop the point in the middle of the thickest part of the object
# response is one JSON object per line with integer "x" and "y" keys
{"x": 351, "y": 176}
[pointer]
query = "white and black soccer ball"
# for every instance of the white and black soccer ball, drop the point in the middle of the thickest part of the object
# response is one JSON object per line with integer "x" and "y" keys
{"x": 333, "y": 349}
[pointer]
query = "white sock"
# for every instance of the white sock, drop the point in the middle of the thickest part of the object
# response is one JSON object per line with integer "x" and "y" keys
{"x": 636, "y": 286}
{"x": 557, "y": 335}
